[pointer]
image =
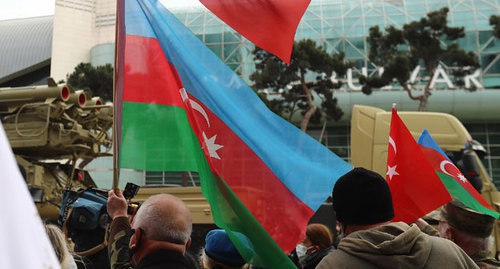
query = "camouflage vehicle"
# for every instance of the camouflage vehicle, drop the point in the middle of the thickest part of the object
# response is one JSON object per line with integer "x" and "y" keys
{"x": 55, "y": 131}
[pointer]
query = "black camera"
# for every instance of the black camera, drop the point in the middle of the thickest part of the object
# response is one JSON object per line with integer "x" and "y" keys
{"x": 130, "y": 190}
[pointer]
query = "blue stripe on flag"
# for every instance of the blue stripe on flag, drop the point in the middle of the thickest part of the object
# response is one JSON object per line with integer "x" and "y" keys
{"x": 426, "y": 140}
{"x": 136, "y": 23}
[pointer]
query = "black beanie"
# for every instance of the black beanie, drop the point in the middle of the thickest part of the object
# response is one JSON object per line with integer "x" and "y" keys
{"x": 362, "y": 197}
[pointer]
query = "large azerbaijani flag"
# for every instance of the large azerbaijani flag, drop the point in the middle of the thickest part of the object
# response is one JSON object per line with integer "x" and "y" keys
{"x": 182, "y": 109}
{"x": 456, "y": 183}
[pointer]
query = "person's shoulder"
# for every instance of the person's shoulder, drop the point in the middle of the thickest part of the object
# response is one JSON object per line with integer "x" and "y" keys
{"x": 340, "y": 259}
{"x": 328, "y": 261}
{"x": 165, "y": 259}
{"x": 444, "y": 249}
{"x": 334, "y": 259}
{"x": 440, "y": 243}
{"x": 484, "y": 259}
{"x": 489, "y": 264}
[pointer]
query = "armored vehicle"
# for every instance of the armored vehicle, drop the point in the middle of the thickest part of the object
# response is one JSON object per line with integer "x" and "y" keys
{"x": 55, "y": 131}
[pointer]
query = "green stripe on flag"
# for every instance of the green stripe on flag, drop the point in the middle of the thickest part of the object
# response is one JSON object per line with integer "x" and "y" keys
{"x": 250, "y": 238}
{"x": 157, "y": 138}
{"x": 456, "y": 190}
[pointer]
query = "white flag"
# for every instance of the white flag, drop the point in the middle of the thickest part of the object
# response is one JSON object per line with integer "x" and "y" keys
{"x": 23, "y": 240}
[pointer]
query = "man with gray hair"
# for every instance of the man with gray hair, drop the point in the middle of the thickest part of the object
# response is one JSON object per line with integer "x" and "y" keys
{"x": 160, "y": 232}
{"x": 470, "y": 230}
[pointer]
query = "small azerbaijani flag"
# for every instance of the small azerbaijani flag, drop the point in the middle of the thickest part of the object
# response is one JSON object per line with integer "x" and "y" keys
{"x": 455, "y": 182}
{"x": 183, "y": 109}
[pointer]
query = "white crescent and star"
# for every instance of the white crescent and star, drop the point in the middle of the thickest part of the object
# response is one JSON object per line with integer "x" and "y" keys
{"x": 442, "y": 166}
{"x": 210, "y": 143}
{"x": 391, "y": 170}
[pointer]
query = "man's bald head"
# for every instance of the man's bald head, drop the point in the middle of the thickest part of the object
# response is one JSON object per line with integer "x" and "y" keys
{"x": 164, "y": 217}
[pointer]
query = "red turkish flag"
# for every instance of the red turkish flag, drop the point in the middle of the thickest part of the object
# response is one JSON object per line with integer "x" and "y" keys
{"x": 269, "y": 24}
{"x": 416, "y": 188}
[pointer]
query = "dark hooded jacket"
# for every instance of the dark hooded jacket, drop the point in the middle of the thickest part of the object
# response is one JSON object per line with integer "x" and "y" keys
{"x": 312, "y": 260}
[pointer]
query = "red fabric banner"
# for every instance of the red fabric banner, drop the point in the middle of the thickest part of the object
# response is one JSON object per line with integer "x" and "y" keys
{"x": 271, "y": 24}
{"x": 415, "y": 186}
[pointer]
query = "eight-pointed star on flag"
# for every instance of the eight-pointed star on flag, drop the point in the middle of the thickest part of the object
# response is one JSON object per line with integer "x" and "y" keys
{"x": 212, "y": 146}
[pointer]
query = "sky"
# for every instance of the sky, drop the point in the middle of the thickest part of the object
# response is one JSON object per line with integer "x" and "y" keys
{"x": 14, "y": 9}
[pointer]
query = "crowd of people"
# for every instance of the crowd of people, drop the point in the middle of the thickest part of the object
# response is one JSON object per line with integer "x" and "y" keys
{"x": 159, "y": 235}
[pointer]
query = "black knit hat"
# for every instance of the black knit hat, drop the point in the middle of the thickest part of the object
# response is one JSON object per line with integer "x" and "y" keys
{"x": 362, "y": 197}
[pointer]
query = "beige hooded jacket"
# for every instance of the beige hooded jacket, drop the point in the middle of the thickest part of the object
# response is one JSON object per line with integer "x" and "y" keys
{"x": 396, "y": 246}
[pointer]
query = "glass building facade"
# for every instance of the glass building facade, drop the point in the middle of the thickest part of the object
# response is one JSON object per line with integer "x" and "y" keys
{"x": 343, "y": 26}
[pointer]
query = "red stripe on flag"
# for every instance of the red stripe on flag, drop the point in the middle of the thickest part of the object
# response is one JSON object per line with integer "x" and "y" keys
{"x": 277, "y": 209}
{"x": 147, "y": 68}
{"x": 442, "y": 164}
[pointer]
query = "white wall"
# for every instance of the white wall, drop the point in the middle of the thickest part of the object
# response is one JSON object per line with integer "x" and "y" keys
{"x": 79, "y": 25}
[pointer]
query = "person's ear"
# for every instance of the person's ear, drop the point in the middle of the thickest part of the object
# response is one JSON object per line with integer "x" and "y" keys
{"x": 188, "y": 243}
{"x": 446, "y": 232}
{"x": 135, "y": 238}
